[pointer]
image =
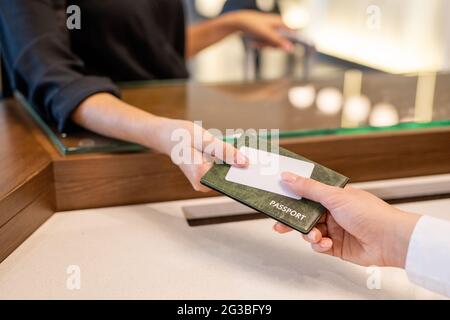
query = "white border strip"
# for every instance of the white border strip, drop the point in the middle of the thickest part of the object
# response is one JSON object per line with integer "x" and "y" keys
{"x": 386, "y": 189}
{"x": 407, "y": 187}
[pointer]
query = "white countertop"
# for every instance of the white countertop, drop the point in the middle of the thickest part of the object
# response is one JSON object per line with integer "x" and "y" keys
{"x": 149, "y": 251}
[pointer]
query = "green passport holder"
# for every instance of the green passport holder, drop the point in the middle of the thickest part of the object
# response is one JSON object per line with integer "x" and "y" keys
{"x": 281, "y": 208}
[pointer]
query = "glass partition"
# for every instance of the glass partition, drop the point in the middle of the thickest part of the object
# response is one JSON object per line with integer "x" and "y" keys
{"x": 349, "y": 103}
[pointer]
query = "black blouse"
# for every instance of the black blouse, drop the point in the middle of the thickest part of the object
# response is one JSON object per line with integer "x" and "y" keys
{"x": 56, "y": 68}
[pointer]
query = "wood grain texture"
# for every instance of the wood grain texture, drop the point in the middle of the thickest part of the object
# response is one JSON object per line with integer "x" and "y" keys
{"x": 24, "y": 194}
{"x": 26, "y": 185}
{"x": 25, "y": 222}
{"x": 120, "y": 184}
{"x": 107, "y": 180}
{"x": 20, "y": 154}
{"x": 25, "y": 167}
{"x": 380, "y": 156}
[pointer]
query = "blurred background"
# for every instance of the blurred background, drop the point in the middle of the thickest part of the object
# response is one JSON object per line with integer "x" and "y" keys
{"x": 399, "y": 37}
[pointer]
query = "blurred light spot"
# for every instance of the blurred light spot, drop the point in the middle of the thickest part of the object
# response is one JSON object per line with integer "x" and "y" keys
{"x": 294, "y": 14}
{"x": 209, "y": 8}
{"x": 265, "y": 5}
{"x": 357, "y": 108}
{"x": 384, "y": 115}
{"x": 302, "y": 97}
{"x": 329, "y": 100}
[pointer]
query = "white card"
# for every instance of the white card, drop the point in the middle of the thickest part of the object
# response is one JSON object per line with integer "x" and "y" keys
{"x": 264, "y": 171}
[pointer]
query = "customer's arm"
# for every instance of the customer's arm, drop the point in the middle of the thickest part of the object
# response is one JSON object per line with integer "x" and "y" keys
{"x": 365, "y": 230}
{"x": 263, "y": 27}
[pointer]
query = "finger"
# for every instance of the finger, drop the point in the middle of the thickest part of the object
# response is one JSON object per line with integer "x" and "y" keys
{"x": 281, "y": 26}
{"x": 323, "y": 246}
{"x": 260, "y": 44}
{"x": 281, "y": 228}
{"x": 197, "y": 186}
{"x": 273, "y": 38}
{"x": 314, "y": 236}
{"x": 195, "y": 171}
{"x": 284, "y": 27}
{"x": 309, "y": 188}
{"x": 277, "y": 21}
{"x": 322, "y": 227}
{"x": 222, "y": 151}
{"x": 323, "y": 218}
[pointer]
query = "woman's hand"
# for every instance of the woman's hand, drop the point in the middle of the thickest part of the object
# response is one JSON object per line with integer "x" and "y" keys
{"x": 194, "y": 149}
{"x": 358, "y": 226}
{"x": 107, "y": 115}
{"x": 263, "y": 27}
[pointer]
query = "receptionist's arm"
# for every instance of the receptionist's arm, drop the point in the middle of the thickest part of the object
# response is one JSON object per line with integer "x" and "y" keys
{"x": 41, "y": 65}
{"x": 263, "y": 27}
{"x": 123, "y": 121}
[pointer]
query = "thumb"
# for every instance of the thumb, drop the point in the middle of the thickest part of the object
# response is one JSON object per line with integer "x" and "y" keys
{"x": 309, "y": 188}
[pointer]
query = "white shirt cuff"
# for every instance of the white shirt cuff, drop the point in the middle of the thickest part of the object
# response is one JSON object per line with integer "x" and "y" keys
{"x": 428, "y": 258}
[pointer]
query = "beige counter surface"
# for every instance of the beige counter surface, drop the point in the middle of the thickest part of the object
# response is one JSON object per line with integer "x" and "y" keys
{"x": 149, "y": 251}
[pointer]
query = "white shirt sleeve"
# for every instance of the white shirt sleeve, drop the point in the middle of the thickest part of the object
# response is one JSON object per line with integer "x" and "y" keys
{"x": 428, "y": 258}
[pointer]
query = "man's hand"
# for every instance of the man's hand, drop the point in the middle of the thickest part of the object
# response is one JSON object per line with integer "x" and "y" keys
{"x": 358, "y": 226}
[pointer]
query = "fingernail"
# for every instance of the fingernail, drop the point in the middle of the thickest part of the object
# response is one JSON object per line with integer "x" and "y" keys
{"x": 326, "y": 243}
{"x": 241, "y": 160}
{"x": 312, "y": 235}
{"x": 289, "y": 177}
{"x": 275, "y": 227}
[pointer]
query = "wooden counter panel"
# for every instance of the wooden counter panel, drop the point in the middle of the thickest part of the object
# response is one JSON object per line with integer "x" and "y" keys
{"x": 92, "y": 181}
{"x": 109, "y": 180}
{"x": 25, "y": 167}
{"x": 26, "y": 185}
{"x": 25, "y": 194}
{"x": 23, "y": 224}
{"x": 21, "y": 156}
{"x": 135, "y": 189}
{"x": 93, "y": 166}
{"x": 379, "y": 156}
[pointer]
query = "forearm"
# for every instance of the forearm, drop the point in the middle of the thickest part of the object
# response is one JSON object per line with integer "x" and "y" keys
{"x": 205, "y": 34}
{"x": 109, "y": 116}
